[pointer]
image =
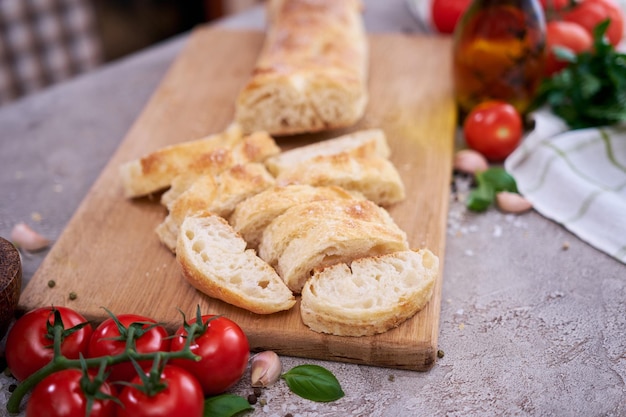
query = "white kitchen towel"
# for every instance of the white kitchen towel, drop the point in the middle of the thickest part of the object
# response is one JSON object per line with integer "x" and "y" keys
{"x": 576, "y": 178}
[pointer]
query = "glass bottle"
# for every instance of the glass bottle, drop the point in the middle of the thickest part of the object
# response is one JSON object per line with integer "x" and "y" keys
{"x": 499, "y": 53}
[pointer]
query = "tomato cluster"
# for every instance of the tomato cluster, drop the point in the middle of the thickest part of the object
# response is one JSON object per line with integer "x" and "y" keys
{"x": 123, "y": 386}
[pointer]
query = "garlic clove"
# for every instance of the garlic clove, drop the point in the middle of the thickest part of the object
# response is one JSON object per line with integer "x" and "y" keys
{"x": 470, "y": 161}
{"x": 26, "y": 238}
{"x": 512, "y": 202}
{"x": 265, "y": 368}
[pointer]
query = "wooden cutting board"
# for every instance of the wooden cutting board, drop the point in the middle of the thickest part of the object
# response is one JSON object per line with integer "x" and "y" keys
{"x": 109, "y": 255}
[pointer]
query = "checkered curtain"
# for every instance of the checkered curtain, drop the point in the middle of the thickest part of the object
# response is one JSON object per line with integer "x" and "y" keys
{"x": 43, "y": 42}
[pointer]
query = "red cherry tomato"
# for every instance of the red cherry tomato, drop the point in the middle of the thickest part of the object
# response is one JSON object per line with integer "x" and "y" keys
{"x": 589, "y": 13}
{"x": 60, "y": 395}
{"x": 29, "y": 342}
{"x": 493, "y": 128}
{"x": 181, "y": 397}
{"x": 105, "y": 340}
{"x": 554, "y": 5}
{"x": 224, "y": 350}
{"x": 446, "y": 14}
{"x": 566, "y": 35}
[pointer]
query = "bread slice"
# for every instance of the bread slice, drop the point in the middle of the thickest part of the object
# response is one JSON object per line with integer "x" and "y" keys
{"x": 311, "y": 73}
{"x": 322, "y": 233}
{"x": 214, "y": 259}
{"x": 210, "y": 155}
{"x": 374, "y": 177}
{"x": 218, "y": 194}
{"x": 369, "y": 295}
{"x": 362, "y": 144}
{"x": 251, "y": 216}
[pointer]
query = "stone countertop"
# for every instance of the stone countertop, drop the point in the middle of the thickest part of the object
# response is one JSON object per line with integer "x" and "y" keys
{"x": 533, "y": 320}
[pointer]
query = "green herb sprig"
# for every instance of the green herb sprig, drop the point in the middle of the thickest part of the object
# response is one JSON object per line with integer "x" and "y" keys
{"x": 591, "y": 90}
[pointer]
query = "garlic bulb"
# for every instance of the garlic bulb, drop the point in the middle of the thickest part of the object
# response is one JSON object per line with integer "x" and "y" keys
{"x": 470, "y": 161}
{"x": 265, "y": 368}
{"x": 26, "y": 238}
{"x": 512, "y": 202}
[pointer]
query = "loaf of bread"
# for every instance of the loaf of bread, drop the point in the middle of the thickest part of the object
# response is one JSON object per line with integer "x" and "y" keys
{"x": 362, "y": 144}
{"x": 251, "y": 216}
{"x": 211, "y": 155}
{"x": 214, "y": 259}
{"x": 369, "y": 295}
{"x": 311, "y": 74}
{"x": 218, "y": 194}
{"x": 322, "y": 233}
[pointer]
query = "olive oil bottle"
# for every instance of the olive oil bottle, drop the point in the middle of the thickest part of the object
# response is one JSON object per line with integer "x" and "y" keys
{"x": 499, "y": 53}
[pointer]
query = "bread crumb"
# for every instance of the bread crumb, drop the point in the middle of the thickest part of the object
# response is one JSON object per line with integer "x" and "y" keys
{"x": 461, "y": 326}
{"x": 565, "y": 245}
{"x": 36, "y": 217}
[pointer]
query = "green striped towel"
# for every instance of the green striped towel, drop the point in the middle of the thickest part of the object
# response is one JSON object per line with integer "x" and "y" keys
{"x": 576, "y": 178}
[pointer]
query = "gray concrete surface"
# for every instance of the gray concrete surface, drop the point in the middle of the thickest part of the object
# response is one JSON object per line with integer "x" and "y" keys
{"x": 533, "y": 320}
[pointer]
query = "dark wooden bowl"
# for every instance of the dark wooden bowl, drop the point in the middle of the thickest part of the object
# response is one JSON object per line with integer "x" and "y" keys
{"x": 10, "y": 283}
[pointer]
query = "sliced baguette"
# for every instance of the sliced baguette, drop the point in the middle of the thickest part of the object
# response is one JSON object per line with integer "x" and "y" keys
{"x": 251, "y": 216}
{"x": 214, "y": 259}
{"x": 213, "y": 154}
{"x": 374, "y": 177}
{"x": 218, "y": 194}
{"x": 362, "y": 144}
{"x": 369, "y": 295}
{"x": 322, "y": 233}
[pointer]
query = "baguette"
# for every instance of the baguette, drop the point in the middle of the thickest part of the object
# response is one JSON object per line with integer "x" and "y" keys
{"x": 211, "y": 155}
{"x": 362, "y": 144}
{"x": 251, "y": 216}
{"x": 374, "y": 177}
{"x": 214, "y": 260}
{"x": 369, "y": 295}
{"x": 311, "y": 73}
{"x": 217, "y": 194}
{"x": 322, "y": 233}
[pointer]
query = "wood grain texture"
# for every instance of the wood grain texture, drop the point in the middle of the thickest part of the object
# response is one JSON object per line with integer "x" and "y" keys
{"x": 110, "y": 256}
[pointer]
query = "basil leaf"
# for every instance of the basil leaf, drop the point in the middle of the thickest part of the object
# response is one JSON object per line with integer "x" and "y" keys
{"x": 498, "y": 178}
{"x": 480, "y": 198}
{"x": 490, "y": 182}
{"x": 225, "y": 405}
{"x": 314, "y": 383}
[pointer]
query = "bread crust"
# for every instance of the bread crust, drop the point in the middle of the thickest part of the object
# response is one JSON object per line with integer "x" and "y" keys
{"x": 374, "y": 177}
{"x": 361, "y": 144}
{"x": 253, "y": 215}
{"x": 311, "y": 73}
{"x": 210, "y": 155}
